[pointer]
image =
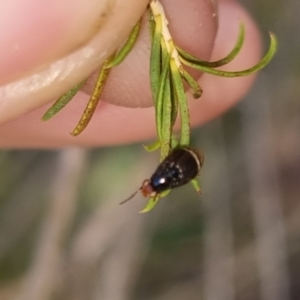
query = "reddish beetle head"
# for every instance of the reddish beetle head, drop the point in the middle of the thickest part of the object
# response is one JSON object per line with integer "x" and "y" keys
{"x": 147, "y": 189}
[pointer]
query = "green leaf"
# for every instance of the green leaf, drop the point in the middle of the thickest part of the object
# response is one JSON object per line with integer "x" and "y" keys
{"x": 174, "y": 142}
{"x": 214, "y": 64}
{"x": 196, "y": 185}
{"x": 197, "y": 90}
{"x": 62, "y": 101}
{"x": 264, "y": 61}
{"x": 183, "y": 105}
{"x": 151, "y": 23}
{"x": 166, "y": 130}
{"x": 160, "y": 98}
{"x": 127, "y": 47}
{"x": 153, "y": 201}
{"x": 155, "y": 65}
{"x": 174, "y": 112}
{"x": 150, "y": 205}
{"x": 152, "y": 147}
{"x": 94, "y": 99}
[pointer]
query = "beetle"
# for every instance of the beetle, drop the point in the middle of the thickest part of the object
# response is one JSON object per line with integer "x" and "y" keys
{"x": 181, "y": 166}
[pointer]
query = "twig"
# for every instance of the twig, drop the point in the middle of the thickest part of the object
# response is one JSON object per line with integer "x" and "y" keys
{"x": 42, "y": 277}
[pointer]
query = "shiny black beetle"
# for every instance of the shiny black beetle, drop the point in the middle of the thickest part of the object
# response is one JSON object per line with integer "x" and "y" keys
{"x": 180, "y": 167}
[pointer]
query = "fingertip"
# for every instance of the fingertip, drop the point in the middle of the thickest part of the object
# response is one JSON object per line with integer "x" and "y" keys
{"x": 48, "y": 74}
{"x": 193, "y": 25}
{"x": 116, "y": 125}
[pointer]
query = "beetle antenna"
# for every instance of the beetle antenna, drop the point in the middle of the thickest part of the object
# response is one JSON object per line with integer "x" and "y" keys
{"x": 127, "y": 199}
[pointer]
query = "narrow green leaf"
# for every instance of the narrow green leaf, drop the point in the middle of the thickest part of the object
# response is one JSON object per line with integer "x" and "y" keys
{"x": 156, "y": 145}
{"x": 159, "y": 104}
{"x": 174, "y": 142}
{"x": 166, "y": 131}
{"x": 155, "y": 65}
{"x": 196, "y": 185}
{"x": 197, "y": 90}
{"x": 183, "y": 105}
{"x": 150, "y": 205}
{"x": 94, "y": 99}
{"x": 174, "y": 99}
{"x": 218, "y": 63}
{"x": 62, "y": 101}
{"x": 152, "y": 147}
{"x": 264, "y": 61}
{"x": 151, "y": 23}
{"x": 153, "y": 201}
{"x": 127, "y": 47}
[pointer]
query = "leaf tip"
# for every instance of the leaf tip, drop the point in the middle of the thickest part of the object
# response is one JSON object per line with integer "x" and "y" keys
{"x": 75, "y": 132}
{"x": 47, "y": 116}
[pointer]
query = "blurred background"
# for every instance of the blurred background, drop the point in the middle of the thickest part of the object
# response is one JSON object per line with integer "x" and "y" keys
{"x": 63, "y": 235}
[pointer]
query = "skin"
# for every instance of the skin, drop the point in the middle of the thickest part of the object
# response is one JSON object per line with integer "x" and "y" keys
{"x": 37, "y": 70}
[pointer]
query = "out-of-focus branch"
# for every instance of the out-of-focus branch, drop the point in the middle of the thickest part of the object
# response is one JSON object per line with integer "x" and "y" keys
{"x": 116, "y": 276}
{"x": 218, "y": 243}
{"x": 266, "y": 199}
{"x": 23, "y": 205}
{"x": 93, "y": 241}
{"x": 43, "y": 276}
{"x": 112, "y": 232}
